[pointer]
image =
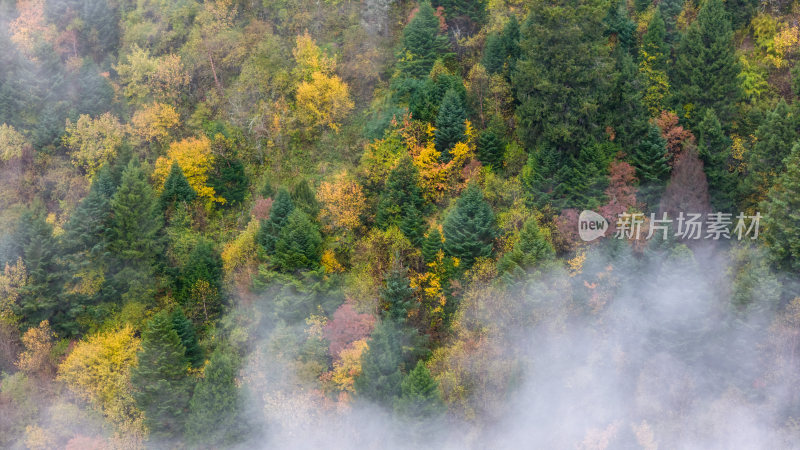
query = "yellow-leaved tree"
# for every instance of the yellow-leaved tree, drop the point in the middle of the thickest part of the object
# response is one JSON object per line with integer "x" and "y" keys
{"x": 98, "y": 370}
{"x": 93, "y": 142}
{"x": 343, "y": 203}
{"x": 322, "y": 98}
{"x": 153, "y": 122}
{"x": 195, "y": 158}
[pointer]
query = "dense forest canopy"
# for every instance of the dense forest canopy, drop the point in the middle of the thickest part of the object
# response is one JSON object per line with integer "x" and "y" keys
{"x": 363, "y": 224}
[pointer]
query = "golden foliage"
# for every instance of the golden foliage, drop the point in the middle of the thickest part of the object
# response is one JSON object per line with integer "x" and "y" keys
{"x": 348, "y": 367}
{"x": 157, "y": 78}
{"x": 93, "y": 142}
{"x": 37, "y": 358}
{"x": 330, "y": 263}
{"x": 241, "y": 251}
{"x": 153, "y": 122}
{"x": 98, "y": 370}
{"x": 343, "y": 203}
{"x": 12, "y": 143}
{"x": 194, "y": 156}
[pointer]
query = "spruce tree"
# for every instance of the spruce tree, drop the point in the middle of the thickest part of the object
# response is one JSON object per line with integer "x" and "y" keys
{"x": 160, "y": 384}
{"x": 282, "y": 206}
{"x": 420, "y": 398}
{"x": 204, "y": 263}
{"x": 401, "y": 202}
{"x": 299, "y": 244}
{"x": 650, "y": 160}
{"x": 511, "y": 37}
{"x": 188, "y": 336}
{"x": 774, "y": 139}
{"x": 670, "y": 10}
{"x": 625, "y": 112}
{"x": 396, "y": 295}
{"x": 494, "y": 54}
{"x": 215, "y": 418}
{"x": 177, "y": 187}
{"x": 715, "y": 152}
{"x": 469, "y": 229}
{"x": 620, "y": 27}
{"x": 490, "y": 149}
{"x": 135, "y": 233}
{"x": 304, "y": 198}
{"x": 782, "y": 215}
{"x": 422, "y": 43}
{"x": 431, "y": 245}
{"x": 706, "y": 69}
{"x": 230, "y": 181}
{"x": 39, "y": 297}
{"x": 450, "y": 124}
{"x": 530, "y": 249}
{"x": 561, "y": 77}
{"x": 381, "y": 378}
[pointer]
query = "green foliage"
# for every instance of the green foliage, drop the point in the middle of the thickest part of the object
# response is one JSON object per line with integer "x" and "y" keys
{"x": 654, "y": 41}
{"x": 561, "y": 76}
{"x": 774, "y": 140}
{"x": 475, "y": 10}
{"x": 160, "y": 383}
{"x": 229, "y": 180}
{"x": 502, "y": 50}
{"x": 177, "y": 187}
{"x": 268, "y": 232}
{"x": 626, "y": 113}
{"x": 380, "y": 380}
{"x": 397, "y": 296}
{"x": 420, "y": 397}
{"x": 531, "y": 249}
{"x": 135, "y": 233}
{"x": 214, "y": 411}
{"x": 188, "y": 336}
{"x": 491, "y": 149}
{"x": 782, "y": 215}
{"x": 715, "y": 152}
{"x": 299, "y": 244}
{"x": 469, "y": 229}
{"x": 304, "y": 198}
{"x": 450, "y": 124}
{"x": 401, "y": 202}
{"x": 650, "y": 160}
{"x": 706, "y": 69}
{"x": 422, "y": 43}
{"x": 620, "y": 27}
{"x": 425, "y": 97}
{"x": 431, "y": 245}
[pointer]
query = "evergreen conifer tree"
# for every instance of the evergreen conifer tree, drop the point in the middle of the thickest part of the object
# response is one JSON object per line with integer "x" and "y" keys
{"x": 782, "y": 215}
{"x": 490, "y": 149}
{"x": 420, "y": 398}
{"x": 706, "y": 69}
{"x": 299, "y": 244}
{"x": 431, "y": 245}
{"x": 160, "y": 384}
{"x": 715, "y": 152}
{"x": 177, "y": 187}
{"x": 271, "y": 227}
{"x": 650, "y": 160}
{"x": 450, "y": 125}
{"x": 214, "y": 411}
{"x": 469, "y": 229}
{"x": 381, "y": 378}
{"x": 396, "y": 295}
{"x": 422, "y": 43}
{"x": 186, "y": 332}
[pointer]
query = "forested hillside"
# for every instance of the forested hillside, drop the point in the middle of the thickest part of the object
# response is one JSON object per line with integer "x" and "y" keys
{"x": 357, "y": 224}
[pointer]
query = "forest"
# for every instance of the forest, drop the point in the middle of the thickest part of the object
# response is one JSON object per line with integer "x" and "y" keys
{"x": 347, "y": 224}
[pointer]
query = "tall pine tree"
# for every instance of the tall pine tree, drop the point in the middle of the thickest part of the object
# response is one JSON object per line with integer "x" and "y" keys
{"x": 381, "y": 378}
{"x": 450, "y": 125}
{"x": 177, "y": 187}
{"x": 650, "y": 160}
{"x": 282, "y": 206}
{"x": 401, "y": 202}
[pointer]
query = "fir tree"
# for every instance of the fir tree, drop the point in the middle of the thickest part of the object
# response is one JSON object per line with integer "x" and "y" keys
{"x": 135, "y": 232}
{"x": 230, "y": 181}
{"x": 186, "y": 332}
{"x": 706, "y": 68}
{"x": 620, "y": 27}
{"x": 782, "y": 215}
{"x": 420, "y": 397}
{"x": 204, "y": 263}
{"x": 422, "y": 43}
{"x": 450, "y": 125}
{"x": 304, "y": 198}
{"x": 401, "y": 203}
{"x": 490, "y": 149}
{"x": 475, "y": 10}
{"x": 299, "y": 244}
{"x": 670, "y": 10}
{"x": 774, "y": 139}
{"x": 561, "y": 77}
{"x": 650, "y": 160}
{"x": 177, "y": 187}
{"x": 278, "y": 214}
{"x": 715, "y": 152}
{"x": 425, "y": 97}
{"x": 380, "y": 379}
{"x": 160, "y": 384}
{"x": 494, "y": 54}
{"x": 654, "y": 41}
{"x": 530, "y": 249}
{"x": 397, "y": 296}
{"x": 625, "y": 111}
{"x": 469, "y": 229}
{"x": 214, "y": 411}
{"x": 431, "y": 245}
